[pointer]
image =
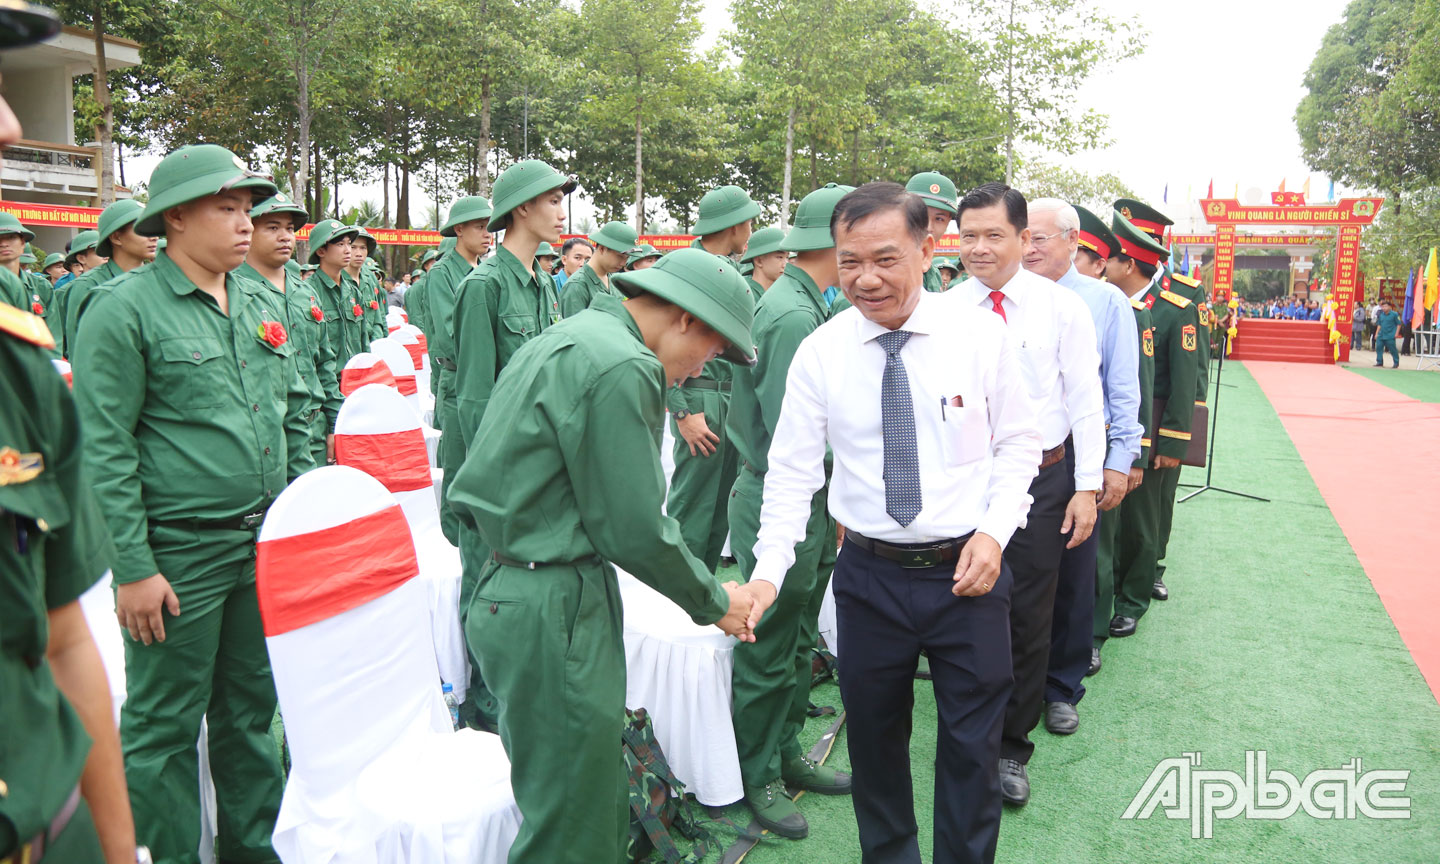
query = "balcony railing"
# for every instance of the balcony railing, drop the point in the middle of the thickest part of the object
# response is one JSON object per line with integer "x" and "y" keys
{"x": 45, "y": 153}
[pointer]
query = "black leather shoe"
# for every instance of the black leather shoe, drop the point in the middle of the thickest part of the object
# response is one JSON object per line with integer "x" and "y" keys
{"x": 1014, "y": 782}
{"x": 1094, "y": 662}
{"x": 1120, "y": 626}
{"x": 1061, "y": 718}
{"x": 1159, "y": 591}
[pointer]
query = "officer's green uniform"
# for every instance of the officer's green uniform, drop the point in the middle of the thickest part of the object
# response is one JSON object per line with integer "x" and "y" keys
{"x": 305, "y": 324}
{"x": 338, "y": 299}
{"x": 1176, "y": 337}
{"x": 938, "y": 191}
{"x": 442, "y": 283}
{"x": 193, "y": 427}
{"x": 700, "y": 485}
{"x": 1193, "y": 291}
{"x": 771, "y": 680}
{"x": 546, "y": 483}
{"x": 583, "y": 287}
{"x": 1143, "y": 522}
{"x": 119, "y": 215}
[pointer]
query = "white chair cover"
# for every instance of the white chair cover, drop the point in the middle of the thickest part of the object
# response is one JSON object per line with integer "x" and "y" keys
{"x": 364, "y": 368}
{"x": 377, "y": 775}
{"x": 376, "y": 433}
{"x": 409, "y": 335}
{"x": 427, "y": 398}
{"x": 63, "y": 368}
{"x": 397, "y": 357}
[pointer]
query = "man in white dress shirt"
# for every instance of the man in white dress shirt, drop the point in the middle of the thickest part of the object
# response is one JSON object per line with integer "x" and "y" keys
{"x": 924, "y": 406}
{"x": 1055, "y": 342}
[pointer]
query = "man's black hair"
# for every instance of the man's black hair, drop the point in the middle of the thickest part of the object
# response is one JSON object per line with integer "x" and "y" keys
{"x": 882, "y": 197}
{"x": 990, "y": 194}
{"x": 573, "y": 242}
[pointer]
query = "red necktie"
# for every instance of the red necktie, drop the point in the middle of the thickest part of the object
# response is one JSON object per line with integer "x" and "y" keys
{"x": 995, "y": 298}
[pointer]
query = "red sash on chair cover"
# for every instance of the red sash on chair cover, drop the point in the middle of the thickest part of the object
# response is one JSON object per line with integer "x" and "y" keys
{"x": 353, "y": 378}
{"x": 397, "y": 459}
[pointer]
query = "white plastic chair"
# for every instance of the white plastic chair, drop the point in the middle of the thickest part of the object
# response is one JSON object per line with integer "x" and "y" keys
{"x": 401, "y": 366}
{"x": 410, "y": 336}
{"x": 377, "y": 773}
{"x": 364, "y": 368}
{"x": 376, "y": 433}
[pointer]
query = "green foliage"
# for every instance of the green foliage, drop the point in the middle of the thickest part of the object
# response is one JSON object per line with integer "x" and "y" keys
{"x": 1096, "y": 193}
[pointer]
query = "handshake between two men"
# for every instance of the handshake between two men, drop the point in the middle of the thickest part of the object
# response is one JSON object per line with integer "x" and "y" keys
{"x": 747, "y": 604}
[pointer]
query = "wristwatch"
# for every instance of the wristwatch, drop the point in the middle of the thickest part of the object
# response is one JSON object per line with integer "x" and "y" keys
{"x": 681, "y": 415}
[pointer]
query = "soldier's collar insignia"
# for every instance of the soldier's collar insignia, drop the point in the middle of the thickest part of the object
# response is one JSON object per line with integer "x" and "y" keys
{"x": 17, "y": 467}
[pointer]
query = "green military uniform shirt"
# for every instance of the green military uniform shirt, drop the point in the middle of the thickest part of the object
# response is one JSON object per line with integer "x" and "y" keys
{"x": 933, "y": 281}
{"x": 1177, "y": 338}
{"x": 42, "y": 303}
{"x": 373, "y": 301}
{"x": 337, "y": 303}
{"x": 77, "y": 298}
{"x": 1194, "y": 292}
{"x": 442, "y": 285}
{"x": 417, "y": 307}
{"x": 54, "y": 546}
{"x": 13, "y": 290}
{"x": 1145, "y": 331}
{"x": 314, "y": 356}
{"x": 547, "y": 482}
{"x": 580, "y": 289}
{"x": 189, "y": 413}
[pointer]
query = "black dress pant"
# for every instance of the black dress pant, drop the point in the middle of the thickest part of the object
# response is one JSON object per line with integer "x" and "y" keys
{"x": 885, "y": 615}
{"x": 1074, "y": 621}
{"x": 1033, "y": 554}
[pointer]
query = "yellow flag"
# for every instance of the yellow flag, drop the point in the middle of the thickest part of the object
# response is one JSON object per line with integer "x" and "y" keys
{"x": 1432, "y": 281}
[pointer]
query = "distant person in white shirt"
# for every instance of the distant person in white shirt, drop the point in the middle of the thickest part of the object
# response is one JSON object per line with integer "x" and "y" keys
{"x": 924, "y": 405}
{"x": 1055, "y": 341}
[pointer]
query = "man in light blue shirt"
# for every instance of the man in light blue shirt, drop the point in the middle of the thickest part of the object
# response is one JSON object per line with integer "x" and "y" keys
{"x": 1057, "y": 232}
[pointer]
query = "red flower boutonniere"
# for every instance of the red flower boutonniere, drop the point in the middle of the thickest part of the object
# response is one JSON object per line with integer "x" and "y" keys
{"x": 36, "y": 306}
{"x": 315, "y": 311}
{"x": 272, "y": 333}
{"x": 374, "y": 305}
{"x": 357, "y": 311}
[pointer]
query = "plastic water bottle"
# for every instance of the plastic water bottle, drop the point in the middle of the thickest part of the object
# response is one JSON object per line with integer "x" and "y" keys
{"x": 453, "y": 704}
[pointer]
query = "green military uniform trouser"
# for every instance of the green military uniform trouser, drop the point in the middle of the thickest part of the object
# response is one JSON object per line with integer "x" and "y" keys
{"x": 1105, "y": 555}
{"x": 1166, "y": 519}
{"x": 770, "y": 685}
{"x": 700, "y": 487}
{"x": 451, "y": 453}
{"x": 319, "y": 429}
{"x": 1137, "y": 548}
{"x": 551, "y": 647}
{"x": 212, "y": 665}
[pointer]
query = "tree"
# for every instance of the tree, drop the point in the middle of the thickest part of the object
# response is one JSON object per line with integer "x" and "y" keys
{"x": 1035, "y": 54}
{"x": 1096, "y": 193}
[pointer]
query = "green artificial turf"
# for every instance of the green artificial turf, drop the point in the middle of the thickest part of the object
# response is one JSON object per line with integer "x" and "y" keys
{"x": 1273, "y": 639}
{"x": 1424, "y": 386}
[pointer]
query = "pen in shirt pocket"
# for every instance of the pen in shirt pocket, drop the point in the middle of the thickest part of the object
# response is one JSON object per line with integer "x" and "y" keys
{"x": 953, "y": 402}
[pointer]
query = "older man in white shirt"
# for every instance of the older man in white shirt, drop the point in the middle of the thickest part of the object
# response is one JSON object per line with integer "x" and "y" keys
{"x": 1055, "y": 340}
{"x": 925, "y": 408}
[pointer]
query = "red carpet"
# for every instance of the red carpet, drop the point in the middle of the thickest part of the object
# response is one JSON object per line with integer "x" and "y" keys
{"x": 1375, "y": 456}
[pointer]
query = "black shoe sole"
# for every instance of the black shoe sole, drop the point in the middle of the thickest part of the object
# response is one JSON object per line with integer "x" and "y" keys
{"x": 1014, "y": 802}
{"x": 777, "y": 830}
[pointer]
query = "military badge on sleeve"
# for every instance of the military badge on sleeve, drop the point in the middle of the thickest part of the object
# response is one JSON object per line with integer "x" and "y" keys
{"x": 1187, "y": 337}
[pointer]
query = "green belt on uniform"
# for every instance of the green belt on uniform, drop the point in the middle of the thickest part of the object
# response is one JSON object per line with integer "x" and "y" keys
{"x": 445, "y": 363}
{"x": 33, "y": 849}
{"x": 248, "y": 522}
{"x": 706, "y": 384}
{"x": 536, "y": 565}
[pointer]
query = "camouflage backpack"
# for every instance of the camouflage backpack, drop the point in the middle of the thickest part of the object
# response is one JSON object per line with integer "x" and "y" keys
{"x": 657, "y": 799}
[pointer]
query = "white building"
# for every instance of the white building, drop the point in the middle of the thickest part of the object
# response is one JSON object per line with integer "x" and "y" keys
{"x": 47, "y": 166}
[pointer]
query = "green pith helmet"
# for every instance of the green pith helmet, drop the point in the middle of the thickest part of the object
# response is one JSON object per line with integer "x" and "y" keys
{"x": 936, "y": 189}
{"x": 281, "y": 203}
{"x": 467, "y": 209}
{"x": 367, "y": 238}
{"x": 430, "y": 255}
{"x": 545, "y": 250}
{"x": 1095, "y": 235}
{"x": 763, "y": 242}
{"x": 811, "y": 229}
{"x": 616, "y": 236}
{"x": 1144, "y": 217}
{"x": 10, "y": 225}
{"x": 640, "y": 253}
{"x": 327, "y": 231}
{"x": 112, "y": 219}
{"x": 193, "y": 172}
{"x": 24, "y": 24}
{"x": 28, "y": 256}
{"x": 721, "y": 208}
{"x": 520, "y": 183}
{"x": 1136, "y": 243}
{"x": 51, "y": 260}
{"x": 83, "y": 242}
{"x": 708, "y": 287}
{"x": 947, "y": 264}
{"x": 416, "y": 273}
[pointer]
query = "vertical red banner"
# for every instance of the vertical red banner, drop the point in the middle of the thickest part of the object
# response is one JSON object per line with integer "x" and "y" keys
{"x": 1347, "y": 281}
{"x": 1224, "y": 263}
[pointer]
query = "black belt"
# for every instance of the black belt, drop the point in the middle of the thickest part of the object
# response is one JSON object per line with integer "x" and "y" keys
{"x": 911, "y": 556}
{"x": 448, "y": 365}
{"x": 706, "y": 384}
{"x": 34, "y": 849}
{"x": 535, "y": 565}
{"x": 248, "y": 522}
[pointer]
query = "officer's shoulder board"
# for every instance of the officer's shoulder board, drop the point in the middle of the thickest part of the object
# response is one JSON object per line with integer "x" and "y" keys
{"x": 25, "y": 326}
{"x": 1185, "y": 280}
{"x": 1175, "y": 298}
{"x": 1136, "y": 304}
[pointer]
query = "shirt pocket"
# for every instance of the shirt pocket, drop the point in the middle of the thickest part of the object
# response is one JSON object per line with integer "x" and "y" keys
{"x": 515, "y": 330}
{"x": 193, "y": 372}
{"x": 966, "y": 435}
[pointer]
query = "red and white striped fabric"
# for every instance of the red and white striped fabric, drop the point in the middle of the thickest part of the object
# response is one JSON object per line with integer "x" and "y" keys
{"x": 350, "y": 649}
{"x": 398, "y": 359}
{"x": 64, "y": 369}
{"x": 365, "y": 368}
{"x": 378, "y": 434}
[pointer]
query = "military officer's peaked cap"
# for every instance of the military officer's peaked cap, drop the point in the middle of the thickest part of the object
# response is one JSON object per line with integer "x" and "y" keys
{"x": 1144, "y": 217}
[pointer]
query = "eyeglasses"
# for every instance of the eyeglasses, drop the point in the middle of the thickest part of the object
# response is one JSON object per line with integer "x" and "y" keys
{"x": 1039, "y": 240}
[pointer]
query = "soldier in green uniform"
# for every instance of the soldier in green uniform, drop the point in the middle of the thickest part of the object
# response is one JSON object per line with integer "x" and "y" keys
{"x": 417, "y": 304}
{"x": 613, "y": 243}
{"x": 641, "y": 257}
{"x": 705, "y": 462}
{"x": 126, "y": 250}
{"x": 191, "y": 405}
{"x": 766, "y": 259}
{"x": 38, "y": 286}
{"x": 13, "y": 237}
{"x": 1175, "y": 336}
{"x": 949, "y": 272}
{"x": 62, "y": 784}
{"x": 82, "y": 245}
{"x": 503, "y": 303}
{"x": 558, "y": 503}
{"x": 468, "y": 223}
{"x": 366, "y": 290}
{"x": 276, "y": 221}
{"x": 330, "y": 244}
{"x": 771, "y": 681}
{"x": 54, "y": 267}
{"x": 942, "y": 201}
{"x": 545, "y": 256}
